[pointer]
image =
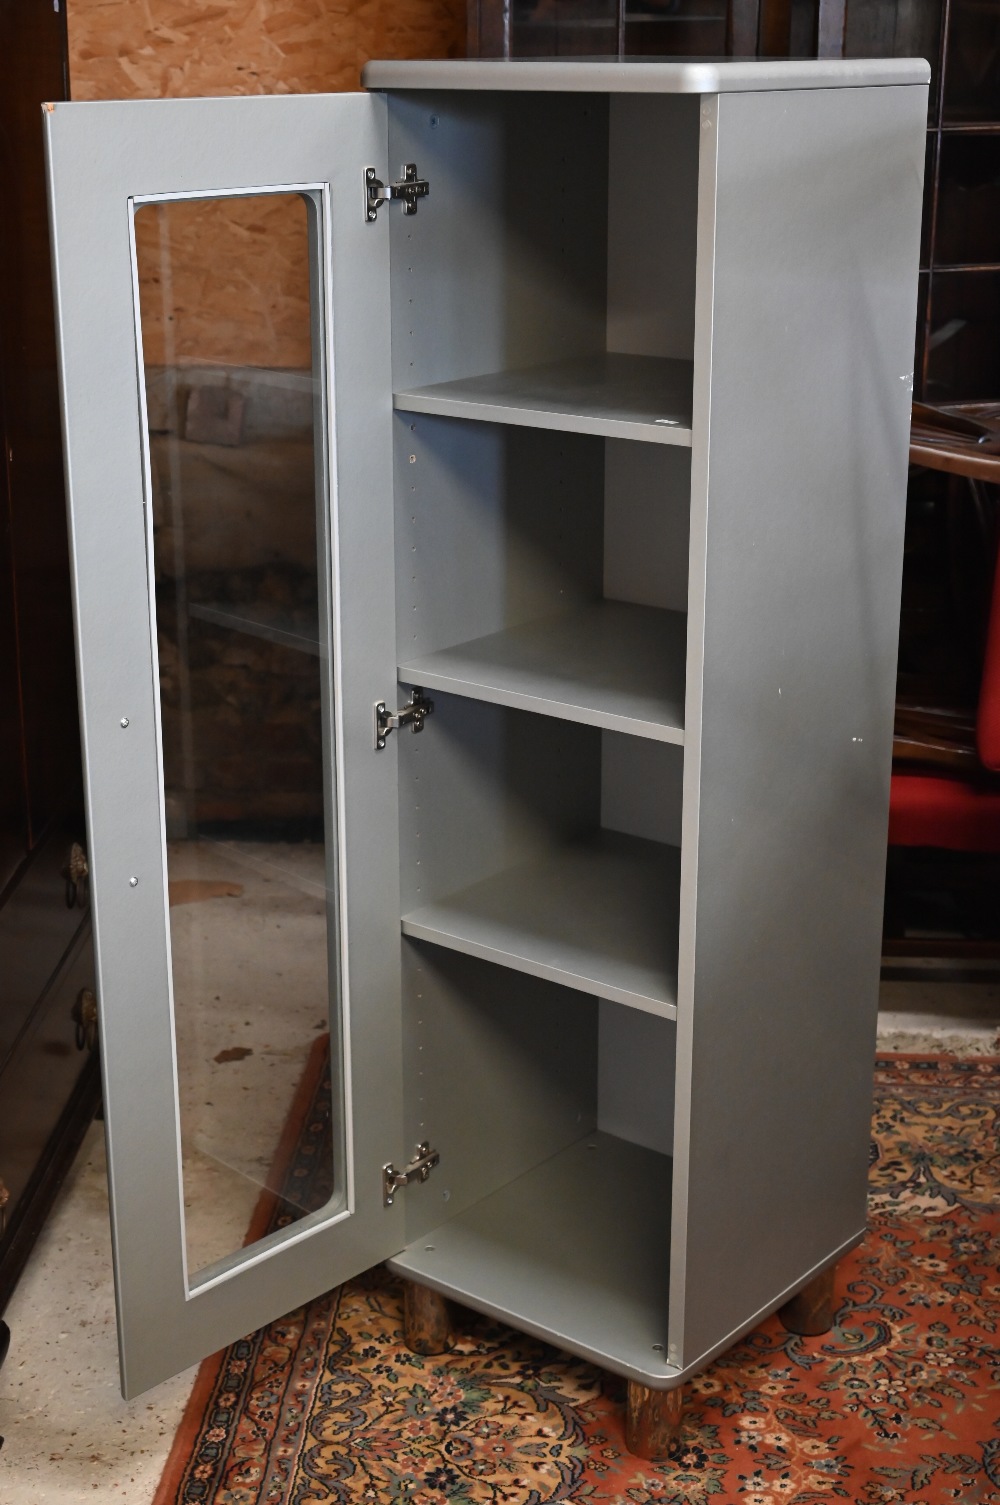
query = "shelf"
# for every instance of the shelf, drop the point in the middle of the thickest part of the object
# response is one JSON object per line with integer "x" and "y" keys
{"x": 297, "y": 630}
{"x": 622, "y": 396}
{"x": 600, "y": 915}
{"x": 611, "y": 664}
{"x": 577, "y": 1252}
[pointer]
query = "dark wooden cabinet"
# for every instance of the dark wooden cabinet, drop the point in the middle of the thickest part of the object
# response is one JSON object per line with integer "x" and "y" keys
{"x": 48, "y": 1069}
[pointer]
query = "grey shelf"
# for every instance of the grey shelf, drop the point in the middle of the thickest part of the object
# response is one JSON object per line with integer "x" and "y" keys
{"x": 610, "y": 664}
{"x": 576, "y": 1251}
{"x": 621, "y": 396}
{"x": 599, "y": 914}
{"x": 297, "y": 630}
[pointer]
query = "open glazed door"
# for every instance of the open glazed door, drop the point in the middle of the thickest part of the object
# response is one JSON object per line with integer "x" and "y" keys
{"x": 222, "y": 302}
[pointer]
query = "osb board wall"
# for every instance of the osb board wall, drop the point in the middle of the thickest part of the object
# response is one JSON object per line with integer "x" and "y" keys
{"x": 238, "y": 257}
{"x": 225, "y": 282}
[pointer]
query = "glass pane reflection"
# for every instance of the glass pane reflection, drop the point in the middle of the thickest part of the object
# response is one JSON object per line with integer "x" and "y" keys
{"x": 963, "y": 353}
{"x": 972, "y": 75}
{"x": 233, "y": 390}
{"x": 968, "y": 224}
{"x": 564, "y": 28}
{"x": 898, "y": 28}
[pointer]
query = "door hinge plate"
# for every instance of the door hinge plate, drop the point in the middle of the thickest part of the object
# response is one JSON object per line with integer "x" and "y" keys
{"x": 408, "y": 189}
{"x": 418, "y": 1169}
{"x": 413, "y": 714}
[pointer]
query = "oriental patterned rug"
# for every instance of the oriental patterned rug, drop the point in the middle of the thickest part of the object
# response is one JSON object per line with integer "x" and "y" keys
{"x": 899, "y": 1403}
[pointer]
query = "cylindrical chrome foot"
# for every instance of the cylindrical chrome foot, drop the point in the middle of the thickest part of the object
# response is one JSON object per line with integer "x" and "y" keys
{"x": 653, "y": 1420}
{"x": 812, "y": 1311}
{"x": 426, "y": 1320}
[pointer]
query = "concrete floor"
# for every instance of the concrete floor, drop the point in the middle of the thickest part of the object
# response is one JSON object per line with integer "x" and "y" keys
{"x": 250, "y": 996}
{"x": 70, "y": 1436}
{"x": 937, "y": 1006}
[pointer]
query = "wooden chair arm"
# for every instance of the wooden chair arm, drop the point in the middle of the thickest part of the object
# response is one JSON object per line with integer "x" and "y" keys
{"x": 936, "y": 736}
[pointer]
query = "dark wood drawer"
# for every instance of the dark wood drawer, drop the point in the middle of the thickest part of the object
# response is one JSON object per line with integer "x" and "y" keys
{"x": 36, "y": 930}
{"x": 41, "y": 1073}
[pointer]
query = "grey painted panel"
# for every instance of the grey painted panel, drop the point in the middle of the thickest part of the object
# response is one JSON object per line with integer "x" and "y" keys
{"x": 494, "y": 526}
{"x": 597, "y": 914}
{"x": 496, "y": 270}
{"x": 575, "y": 1252}
{"x": 652, "y": 223}
{"x": 99, "y": 155}
{"x": 635, "y": 1077}
{"x": 646, "y": 513}
{"x": 484, "y": 788}
{"x": 622, "y": 396}
{"x": 809, "y": 227}
{"x": 642, "y": 787}
{"x": 610, "y": 664}
{"x": 641, "y": 75}
{"x": 500, "y": 1073}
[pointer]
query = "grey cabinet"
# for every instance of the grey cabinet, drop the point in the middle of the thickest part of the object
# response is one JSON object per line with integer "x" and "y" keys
{"x": 601, "y": 452}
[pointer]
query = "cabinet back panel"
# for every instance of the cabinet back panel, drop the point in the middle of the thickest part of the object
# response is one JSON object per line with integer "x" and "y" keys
{"x": 635, "y": 1076}
{"x": 500, "y": 1074}
{"x": 652, "y": 220}
{"x": 484, "y": 788}
{"x": 505, "y": 263}
{"x": 495, "y": 526}
{"x": 647, "y": 511}
{"x": 641, "y": 787}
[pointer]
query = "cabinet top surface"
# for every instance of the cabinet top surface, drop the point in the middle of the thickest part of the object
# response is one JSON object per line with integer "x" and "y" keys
{"x": 645, "y": 75}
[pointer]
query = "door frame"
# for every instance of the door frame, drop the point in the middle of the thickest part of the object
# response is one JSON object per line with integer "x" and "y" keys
{"x": 104, "y": 159}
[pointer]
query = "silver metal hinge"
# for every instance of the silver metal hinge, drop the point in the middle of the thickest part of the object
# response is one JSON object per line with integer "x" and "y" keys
{"x": 418, "y": 1169}
{"x": 409, "y": 188}
{"x": 413, "y": 714}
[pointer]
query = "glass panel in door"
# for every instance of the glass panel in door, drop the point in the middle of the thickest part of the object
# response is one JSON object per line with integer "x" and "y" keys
{"x": 234, "y": 405}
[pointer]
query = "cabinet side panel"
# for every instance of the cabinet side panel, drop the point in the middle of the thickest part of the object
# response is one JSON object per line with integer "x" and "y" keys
{"x": 800, "y": 467}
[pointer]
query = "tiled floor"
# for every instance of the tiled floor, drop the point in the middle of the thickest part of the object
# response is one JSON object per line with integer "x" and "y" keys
{"x": 69, "y": 1435}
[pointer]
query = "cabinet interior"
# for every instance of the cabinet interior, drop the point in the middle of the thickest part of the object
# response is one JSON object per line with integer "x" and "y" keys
{"x": 544, "y": 570}
{"x": 553, "y": 1115}
{"x": 543, "y": 315}
{"x": 553, "y": 284}
{"x": 547, "y": 847}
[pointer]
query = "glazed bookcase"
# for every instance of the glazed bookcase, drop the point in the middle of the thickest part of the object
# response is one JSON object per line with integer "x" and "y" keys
{"x": 614, "y": 473}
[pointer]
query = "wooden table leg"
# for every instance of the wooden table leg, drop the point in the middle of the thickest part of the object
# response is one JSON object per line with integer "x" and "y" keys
{"x": 811, "y": 1312}
{"x": 653, "y": 1420}
{"x": 426, "y": 1320}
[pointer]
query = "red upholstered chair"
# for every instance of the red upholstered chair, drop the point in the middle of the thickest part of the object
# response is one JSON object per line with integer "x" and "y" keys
{"x": 945, "y": 789}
